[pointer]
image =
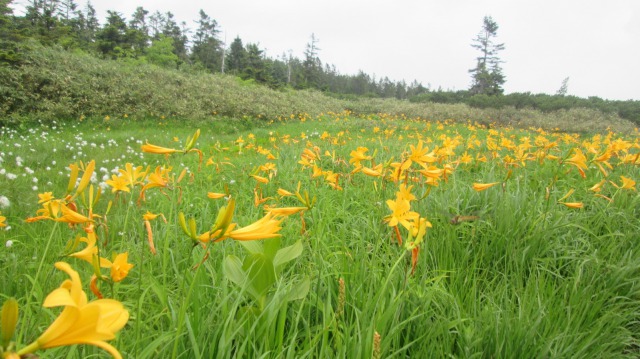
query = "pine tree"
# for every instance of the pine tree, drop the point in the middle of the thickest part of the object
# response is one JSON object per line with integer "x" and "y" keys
{"x": 562, "y": 91}
{"x": 255, "y": 67}
{"x": 207, "y": 49}
{"x": 312, "y": 65}
{"x": 236, "y": 57}
{"x": 487, "y": 77}
{"x": 112, "y": 40}
{"x": 138, "y": 32}
{"x": 170, "y": 28}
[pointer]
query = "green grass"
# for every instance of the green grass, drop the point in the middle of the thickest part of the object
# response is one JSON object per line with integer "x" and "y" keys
{"x": 528, "y": 278}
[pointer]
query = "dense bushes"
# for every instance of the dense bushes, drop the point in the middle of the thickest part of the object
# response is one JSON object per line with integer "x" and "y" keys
{"x": 49, "y": 83}
{"x": 629, "y": 110}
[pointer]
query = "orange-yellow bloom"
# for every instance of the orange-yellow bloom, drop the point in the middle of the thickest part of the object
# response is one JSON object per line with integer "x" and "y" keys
{"x": 147, "y": 148}
{"x": 91, "y": 251}
{"x": 147, "y": 218}
{"x": 573, "y": 204}
{"x": 133, "y": 175}
{"x": 483, "y": 186}
{"x": 598, "y": 186}
{"x": 401, "y": 213}
{"x": 71, "y": 216}
{"x": 373, "y": 172}
{"x": 359, "y": 155}
{"x": 284, "y": 192}
{"x": 214, "y": 195}
{"x": 286, "y": 211}
{"x": 627, "y": 183}
{"x": 260, "y": 179}
{"x": 3, "y": 220}
{"x": 120, "y": 267}
{"x": 118, "y": 183}
{"x": 579, "y": 160}
{"x": 80, "y": 322}
{"x": 266, "y": 227}
{"x": 45, "y": 197}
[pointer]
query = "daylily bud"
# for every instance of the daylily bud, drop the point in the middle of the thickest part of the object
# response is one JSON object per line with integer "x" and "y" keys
{"x": 191, "y": 141}
{"x": 225, "y": 215}
{"x": 8, "y": 320}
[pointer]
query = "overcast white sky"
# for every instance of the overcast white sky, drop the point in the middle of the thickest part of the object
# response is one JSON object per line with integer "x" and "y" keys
{"x": 594, "y": 42}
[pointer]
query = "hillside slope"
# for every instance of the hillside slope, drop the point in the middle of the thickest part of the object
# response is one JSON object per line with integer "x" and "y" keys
{"x": 50, "y": 83}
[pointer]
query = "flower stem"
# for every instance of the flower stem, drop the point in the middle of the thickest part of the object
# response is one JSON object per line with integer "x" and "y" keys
{"x": 36, "y": 278}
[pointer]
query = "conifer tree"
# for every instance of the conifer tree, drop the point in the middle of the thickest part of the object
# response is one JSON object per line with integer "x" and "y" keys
{"x": 487, "y": 77}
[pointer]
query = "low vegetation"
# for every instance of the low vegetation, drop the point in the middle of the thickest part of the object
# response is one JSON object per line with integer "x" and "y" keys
{"x": 337, "y": 236}
{"x": 53, "y": 84}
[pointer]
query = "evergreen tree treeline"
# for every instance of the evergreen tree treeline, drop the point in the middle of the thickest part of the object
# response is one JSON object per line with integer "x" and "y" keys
{"x": 159, "y": 38}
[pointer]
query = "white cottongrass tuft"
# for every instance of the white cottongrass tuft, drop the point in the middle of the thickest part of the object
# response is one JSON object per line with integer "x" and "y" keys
{"x": 4, "y": 202}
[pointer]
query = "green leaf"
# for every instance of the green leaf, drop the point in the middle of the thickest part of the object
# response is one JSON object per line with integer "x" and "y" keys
{"x": 287, "y": 254}
{"x": 232, "y": 268}
{"x": 271, "y": 247}
{"x": 252, "y": 247}
{"x": 261, "y": 274}
{"x": 299, "y": 290}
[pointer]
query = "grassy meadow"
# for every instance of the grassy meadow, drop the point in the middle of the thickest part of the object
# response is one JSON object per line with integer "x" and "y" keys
{"x": 328, "y": 236}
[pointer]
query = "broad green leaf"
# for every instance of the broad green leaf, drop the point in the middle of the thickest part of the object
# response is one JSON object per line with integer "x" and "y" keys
{"x": 299, "y": 290}
{"x": 232, "y": 269}
{"x": 252, "y": 247}
{"x": 287, "y": 254}
{"x": 261, "y": 274}
{"x": 271, "y": 247}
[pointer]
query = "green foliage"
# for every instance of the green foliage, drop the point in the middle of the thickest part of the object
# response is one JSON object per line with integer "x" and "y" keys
{"x": 54, "y": 84}
{"x": 161, "y": 53}
{"x": 261, "y": 269}
{"x": 548, "y": 104}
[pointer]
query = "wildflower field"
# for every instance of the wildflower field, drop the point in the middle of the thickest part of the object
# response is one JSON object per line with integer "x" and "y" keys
{"x": 337, "y": 236}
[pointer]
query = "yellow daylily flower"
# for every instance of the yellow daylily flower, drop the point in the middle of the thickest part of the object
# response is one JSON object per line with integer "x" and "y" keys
{"x": 120, "y": 267}
{"x": 579, "y": 160}
{"x": 71, "y": 216}
{"x": 483, "y": 186}
{"x": 81, "y": 322}
{"x": 147, "y": 218}
{"x": 214, "y": 195}
{"x": 358, "y": 155}
{"x": 373, "y": 172}
{"x": 266, "y": 227}
{"x": 401, "y": 213}
{"x": 404, "y": 192}
{"x": 90, "y": 251}
{"x": 45, "y": 197}
{"x": 148, "y": 148}
{"x": 3, "y": 220}
{"x": 416, "y": 236}
{"x": 260, "y": 179}
{"x": 133, "y": 175}
{"x": 118, "y": 183}
{"x": 286, "y": 211}
{"x": 575, "y": 205}
{"x": 284, "y": 192}
{"x": 598, "y": 186}
{"x": 627, "y": 183}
